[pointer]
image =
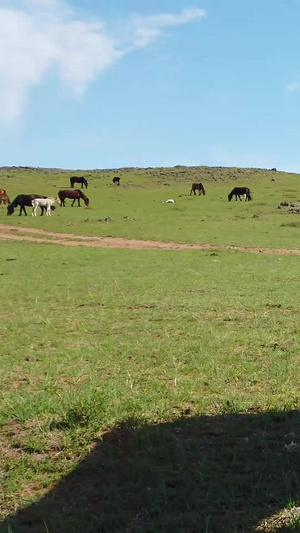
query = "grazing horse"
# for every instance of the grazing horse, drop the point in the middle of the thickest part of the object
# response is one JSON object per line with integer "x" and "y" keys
{"x": 240, "y": 192}
{"x": 76, "y": 179}
{"x": 24, "y": 200}
{"x": 73, "y": 195}
{"x": 197, "y": 187}
{"x": 116, "y": 180}
{"x": 4, "y": 197}
{"x": 48, "y": 203}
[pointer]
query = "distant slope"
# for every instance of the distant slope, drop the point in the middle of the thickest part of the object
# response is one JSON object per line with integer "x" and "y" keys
{"x": 174, "y": 174}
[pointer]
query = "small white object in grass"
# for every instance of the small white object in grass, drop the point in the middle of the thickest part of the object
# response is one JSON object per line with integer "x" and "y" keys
{"x": 170, "y": 201}
{"x": 292, "y": 447}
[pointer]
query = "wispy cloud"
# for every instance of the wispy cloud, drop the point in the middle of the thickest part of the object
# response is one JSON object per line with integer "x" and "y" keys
{"x": 148, "y": 29}
{"x": 293, "y": 87}
{"x": 38, "y": 36}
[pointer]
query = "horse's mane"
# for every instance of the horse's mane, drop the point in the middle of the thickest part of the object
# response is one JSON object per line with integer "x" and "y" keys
{"x": 15, "y": 202}
{"x": 85, "y": 198}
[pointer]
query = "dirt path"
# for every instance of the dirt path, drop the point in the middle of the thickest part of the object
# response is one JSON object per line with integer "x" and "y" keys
{"x": 15, "y": 233}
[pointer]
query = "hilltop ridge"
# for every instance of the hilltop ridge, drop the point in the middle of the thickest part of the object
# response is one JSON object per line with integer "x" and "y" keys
{"x": 176, "y": 173}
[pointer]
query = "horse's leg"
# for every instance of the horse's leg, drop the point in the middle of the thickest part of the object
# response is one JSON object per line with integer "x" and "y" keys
{"x": 78, "y": 202}
{"x": 191, "y": 192}
{"x": 73, "y": 202}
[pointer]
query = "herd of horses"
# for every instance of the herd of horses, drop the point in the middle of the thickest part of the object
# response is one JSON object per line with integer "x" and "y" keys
{"x": 47, "y": 204}
{"x": 238, "y": 192}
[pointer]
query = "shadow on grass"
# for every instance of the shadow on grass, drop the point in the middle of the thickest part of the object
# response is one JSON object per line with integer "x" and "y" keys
{"x": 209, "y": 474}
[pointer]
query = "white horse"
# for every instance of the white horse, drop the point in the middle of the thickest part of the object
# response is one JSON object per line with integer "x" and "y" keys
{"x": 43, "y": 202}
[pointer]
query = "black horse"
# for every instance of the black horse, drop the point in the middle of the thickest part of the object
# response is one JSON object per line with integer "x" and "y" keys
{"x": 25, "y": 200}
{"x": 73, "y": 195}
{"x": 81, "y": 179}
{"x": 238, "y": 192}
{"x": 116, "y": 180}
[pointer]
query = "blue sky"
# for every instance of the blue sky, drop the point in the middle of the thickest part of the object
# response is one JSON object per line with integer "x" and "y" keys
{"x": 115, "y": 83}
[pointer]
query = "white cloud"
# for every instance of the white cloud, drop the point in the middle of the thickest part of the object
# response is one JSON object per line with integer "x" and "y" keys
{"x": 41, "y": 36}
{"x": 293, "y": 87}
{"x": 147, "y": 29}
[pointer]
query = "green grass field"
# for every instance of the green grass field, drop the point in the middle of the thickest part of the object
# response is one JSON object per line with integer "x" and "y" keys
{"x": 151, "y": 391}
{"x": 136, "y": 208}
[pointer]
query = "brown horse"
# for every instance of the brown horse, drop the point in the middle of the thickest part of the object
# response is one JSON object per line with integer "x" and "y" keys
{"x": 76, "y": 194}
{"x": 4, "y": 198}
{"x": 197, "y": 187}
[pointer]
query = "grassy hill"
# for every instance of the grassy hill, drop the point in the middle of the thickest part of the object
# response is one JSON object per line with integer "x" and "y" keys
{"x": 174, "y": 174}
{"x": 137, "y": 210}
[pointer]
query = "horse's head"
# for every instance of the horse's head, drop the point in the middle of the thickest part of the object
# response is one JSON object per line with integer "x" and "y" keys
{"x": 229, "y": 197}
{"x": 10, "y": 209}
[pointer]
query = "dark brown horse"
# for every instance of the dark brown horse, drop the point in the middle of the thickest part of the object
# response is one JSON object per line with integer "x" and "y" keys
{"x": 73, "y": 195}
{"x": 240, "y": 192}
{"x": 81, "y": 179}
{"x": 116, "y": 180}
{"x": 197, "y": 187}
{"x": 4, "y": 198}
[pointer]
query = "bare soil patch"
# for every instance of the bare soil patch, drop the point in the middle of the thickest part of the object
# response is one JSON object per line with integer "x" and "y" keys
{"x": 15, "y": 233}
